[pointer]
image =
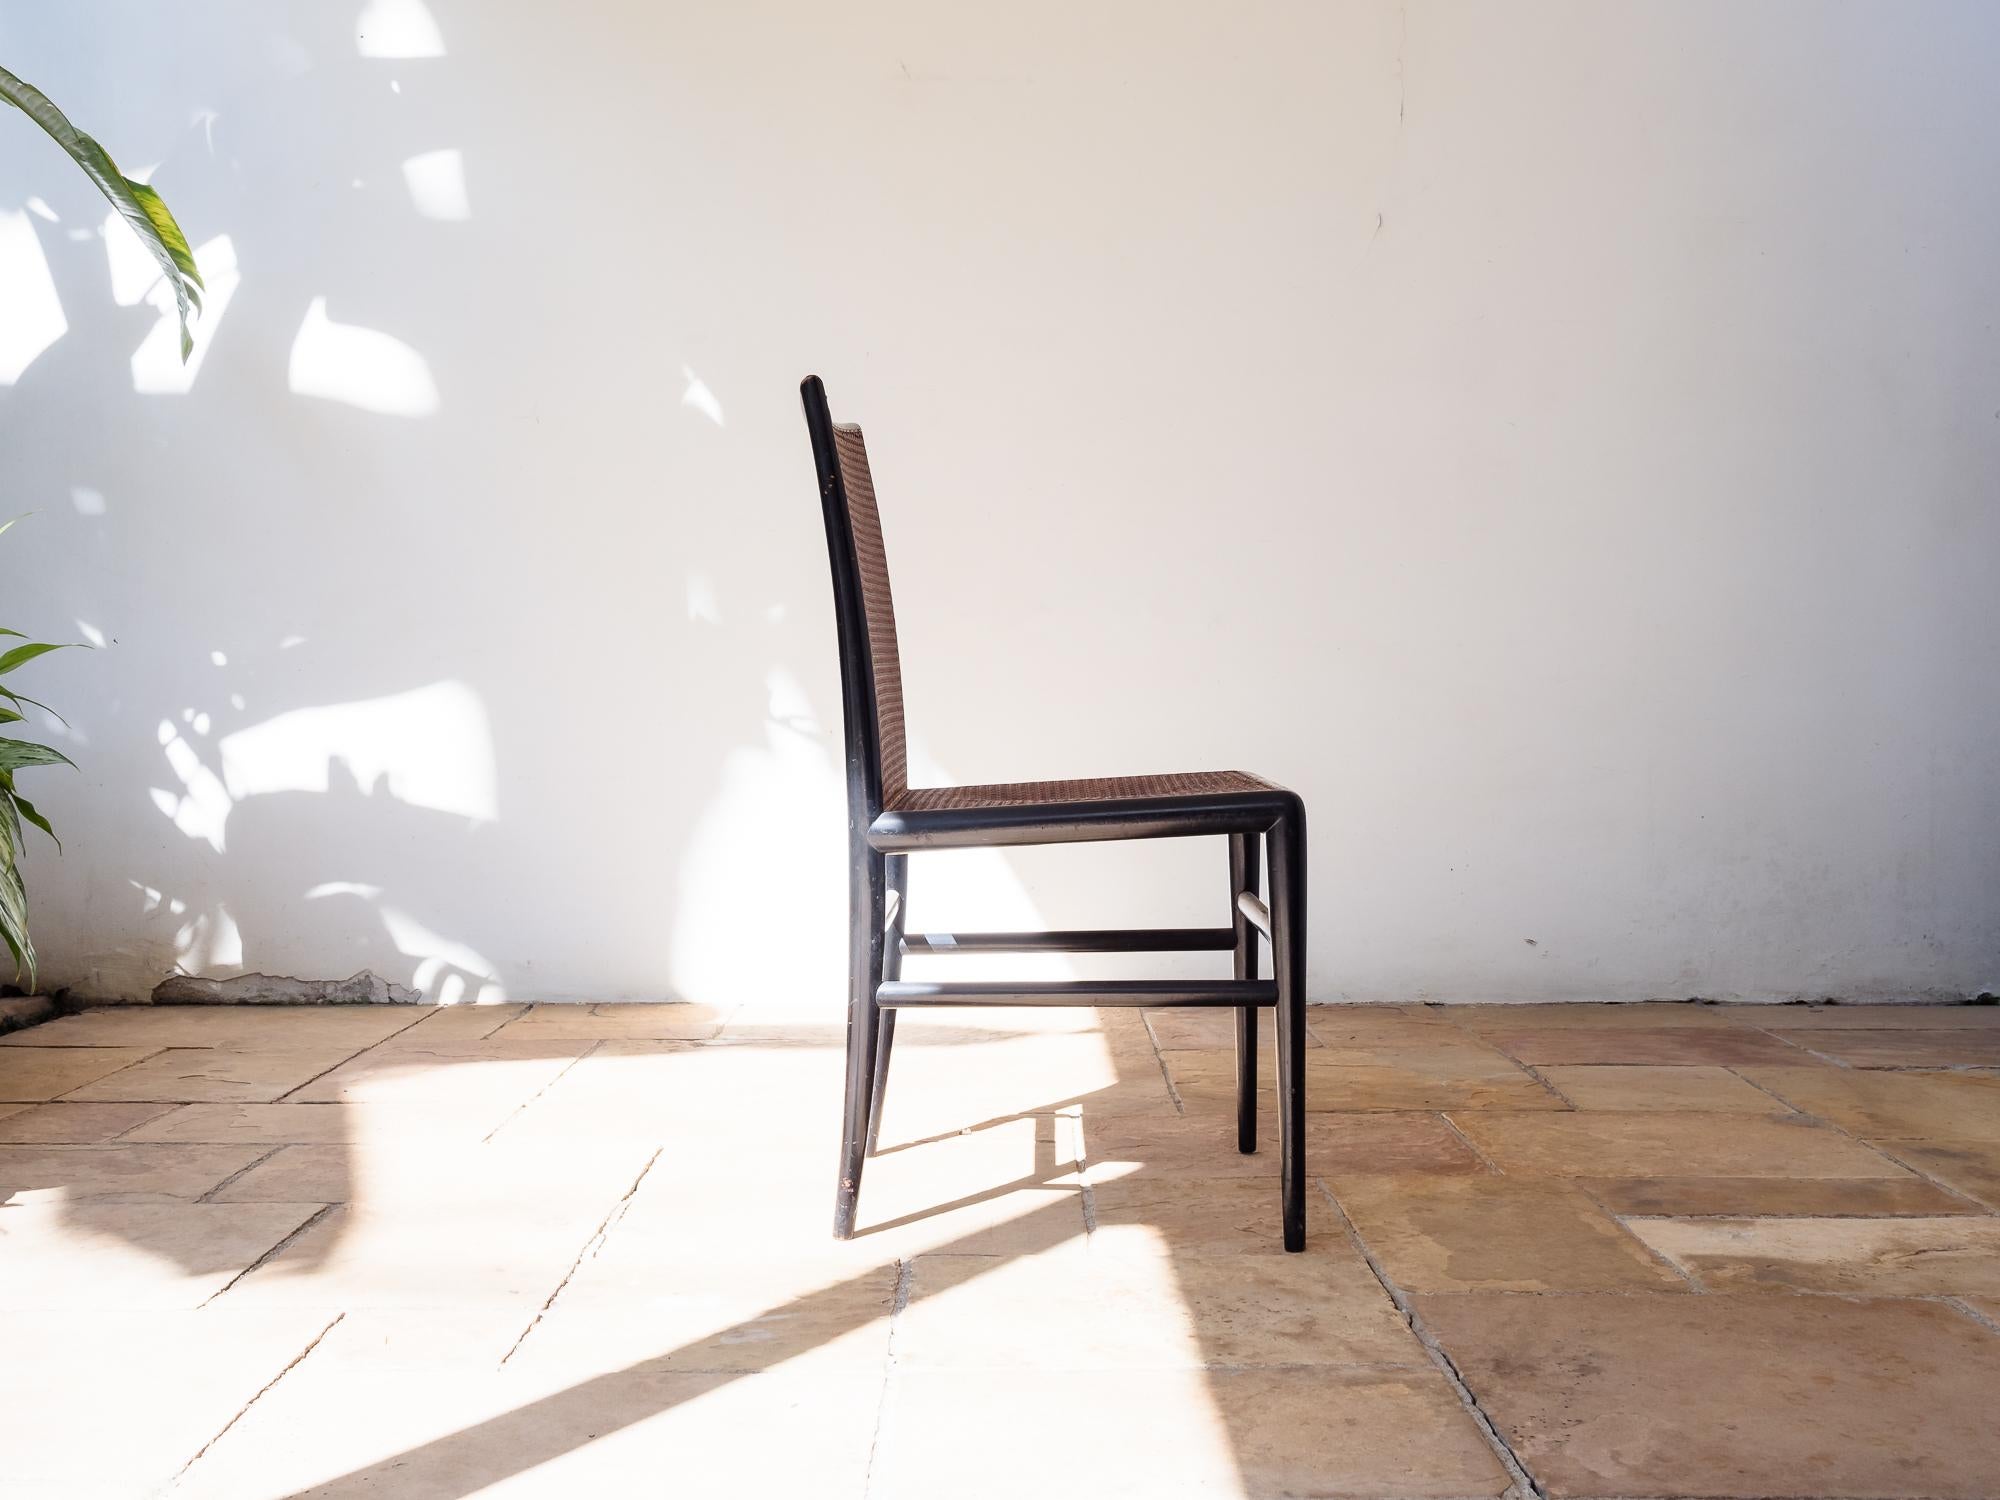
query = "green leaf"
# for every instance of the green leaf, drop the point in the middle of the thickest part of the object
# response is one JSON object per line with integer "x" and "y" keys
{"x": 28, "y": 810}
{"x": 17, "y": 699}
{"x": 139, "y": 206}
{"x": 8, "y": 716}
{"x": 15, "y": 754}
{"x": 27, "y": 653}
{"x": 14, "y": 902}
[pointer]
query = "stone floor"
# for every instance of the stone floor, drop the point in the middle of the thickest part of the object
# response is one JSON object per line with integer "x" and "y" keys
{"x": 1671, "y": 1250}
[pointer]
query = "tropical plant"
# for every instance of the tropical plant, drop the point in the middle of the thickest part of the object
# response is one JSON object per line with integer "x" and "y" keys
{"x": 16, "y": 810}
{"x": 146, "y": 212}
{"x": 136, "y": 203}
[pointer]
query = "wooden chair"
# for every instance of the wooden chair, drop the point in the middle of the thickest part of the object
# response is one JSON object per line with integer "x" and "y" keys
{"x": 888, "y": 820}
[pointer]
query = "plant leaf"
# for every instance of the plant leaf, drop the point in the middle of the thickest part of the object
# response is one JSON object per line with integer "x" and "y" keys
{"x": 29, "y": 811}
{"x": 17, "y": 699}
{"x": 136, "y": 203}
{"x": 27, "y": 653}
{"x": 14, "y": 899}
{"x": 15, "y": 754}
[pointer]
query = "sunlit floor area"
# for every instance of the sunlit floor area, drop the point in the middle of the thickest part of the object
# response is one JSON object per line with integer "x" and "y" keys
{"x": 1663, "y": 1250}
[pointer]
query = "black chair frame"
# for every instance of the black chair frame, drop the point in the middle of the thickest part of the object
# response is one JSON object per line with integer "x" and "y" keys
{"x": 881, "y": 840}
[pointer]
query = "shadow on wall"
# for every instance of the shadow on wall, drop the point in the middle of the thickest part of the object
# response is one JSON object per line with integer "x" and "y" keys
{"x": 433, "y": 647}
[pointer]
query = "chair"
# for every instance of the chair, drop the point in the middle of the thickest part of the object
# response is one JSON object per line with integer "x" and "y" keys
{"x": 888, "y": 820}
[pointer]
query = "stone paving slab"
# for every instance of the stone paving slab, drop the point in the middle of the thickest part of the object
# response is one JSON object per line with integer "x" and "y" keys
{"x": 603, "y": 1023}
{"x": 221, "y": 1075}
{"x": 31, "y": 1075}
{"x": 1408, "y": 1079}
{"x": 1780, "y": 1197}
{"x": 87, "y": 1253}
{"x": 1968, "y": 1167}
{"x": 1647, "y": 1086}
{"x": 1664, "y": 1143}
{"x": 274, "y": 1026}
{"x": 1869, "y": 1017}
{"x": 1149, "y": 1310}
{"x": 63, "y": 1124}
{"x": 416, "y": 1124}
{"x": 391, "y": 1405}
{"x": 1731, "y": 1396}
{"x": 1203, "y": 1216}
{"x": 1498, "y": 1234}
{"x": 1853, "y": 1257}
{"x": 1213, "y": 1030}
{"x": 465, "y": 1174}
{"x": 121, "y": 1171}
{"x": 112, "y": 1403}
{"x": 1571, "y": 1016}
{"x": 1336, "y": 1433}
{"x": 1722, "y": 1046}
{"x": 1909, "y": 1048}
{"x": 565, "y": 1254}
{"x": 1205, "y": 1145}
{"x": 1891, "y": 1106}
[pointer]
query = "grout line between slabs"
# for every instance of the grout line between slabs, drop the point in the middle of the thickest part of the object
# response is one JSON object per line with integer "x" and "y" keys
{"x": 1973, "y": 1313}
{"x": 905, "y": 1268}
{"x": 64, "y": 1096}
{"x": 287, "y": 1094}
{"x": 243, "y": 1411}
{"x": 1877, "y": 1147}
{"x": 1492, "y": 1166}
{"x": 209, "y": 1196}
{"x": 561, "y": 1073}
{"x": 317, "y": 1214}
{"x": 1524, "y": 1482}
{"x": 590, "y": 1245}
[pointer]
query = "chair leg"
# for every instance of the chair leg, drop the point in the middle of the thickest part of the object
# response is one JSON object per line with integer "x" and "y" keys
{"x": 867, "y": 897}
{"x": 1243, "y": 877}
{"x": 1287, "y": 853}
{"x": 892, "y": 968}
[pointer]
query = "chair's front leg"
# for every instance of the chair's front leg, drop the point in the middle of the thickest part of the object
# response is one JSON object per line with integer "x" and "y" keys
{"x": 1287, "y": 853}
{"x": 892, "y": 968}
{"x": 867, "y": 896}
{"x": 1243, "y": 877}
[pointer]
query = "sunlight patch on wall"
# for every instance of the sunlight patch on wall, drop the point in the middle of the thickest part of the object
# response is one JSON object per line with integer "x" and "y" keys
{"x": 700, "y": 397}
{"x": 436, "y": 181}
{"x": 34, "y": 318}
{"x": 789, "y": 794}
{"x": 359, "y": 367}
{"x": 397, "y": 28}
{"x": 201, "y": 808}
{"x": 157, "y": 369}
{"x": 448, "y": 972}
{"x": 702, "y": 604}
{"x": 430, "y": 747}
{"x": 735, "y": 885}
{"x": 208, "y": 941}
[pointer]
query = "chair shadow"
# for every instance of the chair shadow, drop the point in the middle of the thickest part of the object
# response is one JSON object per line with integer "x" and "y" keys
{"x": 470, "y": 1459}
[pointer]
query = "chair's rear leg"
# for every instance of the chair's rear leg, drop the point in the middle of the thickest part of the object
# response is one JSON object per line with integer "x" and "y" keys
{"x": 1243, "y": 877}
{"x": 892, "y": 968}
{"x": 1287, "y": 852}
{"x": 866, "y": 898}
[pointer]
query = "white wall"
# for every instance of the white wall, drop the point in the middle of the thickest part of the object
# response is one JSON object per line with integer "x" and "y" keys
{"x": 1560, "y": 440}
